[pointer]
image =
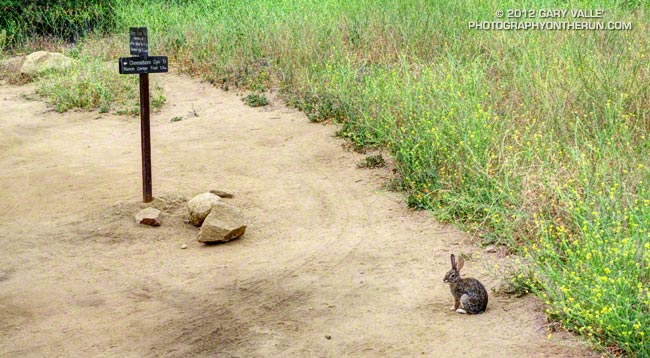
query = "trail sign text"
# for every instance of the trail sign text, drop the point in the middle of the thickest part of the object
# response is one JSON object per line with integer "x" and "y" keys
{"x": 138, "y": 65}
{"x": 139, "y": 41}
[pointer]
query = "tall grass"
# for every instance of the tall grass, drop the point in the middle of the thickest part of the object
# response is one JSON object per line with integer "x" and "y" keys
{"x": 532, "y": 139}
{"x": 92, "y": 83}
{"x": 62, "y": 19}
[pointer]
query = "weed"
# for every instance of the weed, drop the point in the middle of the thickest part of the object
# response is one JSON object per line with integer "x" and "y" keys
{"x": 94, "y": 84}
{"x": 372, "y": 161}
{"x": 193, "y": 113}
{"x": 256, "y": 100}
{"x": 3, "y": 40}
{"x": 10, "y": 71}
{"x": 64, "y": 19}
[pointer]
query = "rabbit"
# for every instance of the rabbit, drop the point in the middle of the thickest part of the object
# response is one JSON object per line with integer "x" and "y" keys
{"x": 469, "y": 294}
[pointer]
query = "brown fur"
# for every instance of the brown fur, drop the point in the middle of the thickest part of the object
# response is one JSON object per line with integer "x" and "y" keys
{"x": 468, "y": 293}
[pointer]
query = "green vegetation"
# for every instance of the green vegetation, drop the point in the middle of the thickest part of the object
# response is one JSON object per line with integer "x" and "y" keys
{"x": 372, "y": 161}
{"x": 63, "y": 19}
{"x": 255, "y": 100}
{"x": 533, "y": 139}
{"x": 3, "y": 40}
{"x": 92, "y": 83}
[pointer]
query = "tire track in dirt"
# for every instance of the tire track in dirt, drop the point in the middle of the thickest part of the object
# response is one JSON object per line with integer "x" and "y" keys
{"x": 259, "y": 290}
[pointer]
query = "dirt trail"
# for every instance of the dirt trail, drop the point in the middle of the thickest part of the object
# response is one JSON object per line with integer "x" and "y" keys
{"x": 331, "y": 265}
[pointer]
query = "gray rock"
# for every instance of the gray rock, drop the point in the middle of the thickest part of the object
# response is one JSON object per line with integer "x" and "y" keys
{"x": 42, "y": 61}
{"x": 148, "y": 216}
{"x": 199, "y": 207}
{"x": 222, "y": 193}
{"x": 224, "y": 223}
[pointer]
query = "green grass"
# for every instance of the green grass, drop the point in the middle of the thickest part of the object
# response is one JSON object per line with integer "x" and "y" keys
{"x": 595, "y": 265}
{"x": 3, "y": 40}
{"x": 372, "y": 161}
{"x": 93, "y": 83}
{"x": 69, "y": 20}
{"x": 533, "y": 139}
{"x": 255, "y": 100}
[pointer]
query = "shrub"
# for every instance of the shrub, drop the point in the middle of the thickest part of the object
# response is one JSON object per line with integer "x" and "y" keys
{"x": 62, "y": 19}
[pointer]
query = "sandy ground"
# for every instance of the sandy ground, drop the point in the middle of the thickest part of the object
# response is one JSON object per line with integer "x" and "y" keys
{"x": 332, "y": 263}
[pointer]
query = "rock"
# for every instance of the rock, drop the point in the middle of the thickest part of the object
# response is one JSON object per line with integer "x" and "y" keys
{"x": 491, "y": 249}
{"x": 184, "y": 246}
{"x": 42, "y": 61}
{"x": 222, "y": 193}
{"x": 199, "y": 207}
{"x": 224, "y": 223}
{"x": 148, "y": 216}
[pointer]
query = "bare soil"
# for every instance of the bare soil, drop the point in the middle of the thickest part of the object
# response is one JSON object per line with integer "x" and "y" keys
{"x": 332, "y": 264}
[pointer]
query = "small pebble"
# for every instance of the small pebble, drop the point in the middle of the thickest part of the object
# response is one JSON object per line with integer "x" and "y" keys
{"x": 184, "y": 246}
{"x": 327, "y": 336}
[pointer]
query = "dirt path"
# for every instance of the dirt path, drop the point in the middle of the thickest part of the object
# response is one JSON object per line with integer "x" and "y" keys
{"x": 332, "y": 264}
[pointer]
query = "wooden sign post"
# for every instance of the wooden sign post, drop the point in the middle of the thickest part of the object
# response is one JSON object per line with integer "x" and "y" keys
{"x": 143, "y": 64}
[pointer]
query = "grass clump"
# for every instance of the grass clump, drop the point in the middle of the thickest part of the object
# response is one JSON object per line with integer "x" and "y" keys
{"x": 93, "y": 84}
{"x": 256, "y": 100}
{"x": 3, "y": 41}
{"x": 373, "y": 161}
{"x": 93, "y": 81}
{"x": 594, "y": 265}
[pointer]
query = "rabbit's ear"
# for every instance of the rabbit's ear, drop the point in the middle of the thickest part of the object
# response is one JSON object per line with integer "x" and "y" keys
{"x": 461, "y": 262}
{"x": 453, "y": 261}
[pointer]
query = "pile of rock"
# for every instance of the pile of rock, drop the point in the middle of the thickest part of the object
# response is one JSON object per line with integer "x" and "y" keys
{"x": 219, "y": 221}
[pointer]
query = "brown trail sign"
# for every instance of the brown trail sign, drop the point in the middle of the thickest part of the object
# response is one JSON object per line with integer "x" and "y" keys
{"x": 143, "y": 64}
